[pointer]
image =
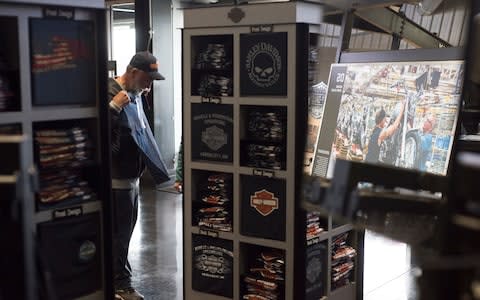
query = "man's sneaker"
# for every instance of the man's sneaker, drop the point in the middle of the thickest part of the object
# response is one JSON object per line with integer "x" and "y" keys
{"x": 128, "y": 294}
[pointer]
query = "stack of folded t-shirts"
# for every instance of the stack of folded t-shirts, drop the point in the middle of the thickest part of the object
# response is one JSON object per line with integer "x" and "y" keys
{"x": 62, "y": 153}
{"x": 313, "y": 225}
{"x": 215, "y": 85}
{"x": 216, "y": 196}
{"x": 266, "y": 146}
{"x": 342, "y": 261}
{"x": 266, "y": 277}
{"x": 214, "y": 57}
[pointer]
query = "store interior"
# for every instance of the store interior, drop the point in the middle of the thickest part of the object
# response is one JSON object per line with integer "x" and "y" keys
{"x": 329, "y": 149}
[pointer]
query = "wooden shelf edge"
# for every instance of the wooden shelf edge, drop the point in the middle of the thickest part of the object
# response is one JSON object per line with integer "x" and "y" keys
{"x": 263, "y": 242}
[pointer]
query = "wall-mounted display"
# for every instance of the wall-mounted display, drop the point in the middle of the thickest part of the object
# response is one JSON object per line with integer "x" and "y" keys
{"x": 212, "y": 265}
{"x": 263, "y": 206}
{"x": 63, "y": 61}
{"x": 212, "y": 132}
{"x": 263, "y": 64}
{"x": 396, "y": 113}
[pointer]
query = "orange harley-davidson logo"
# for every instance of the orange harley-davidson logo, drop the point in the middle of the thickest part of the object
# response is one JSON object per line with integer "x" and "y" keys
{"x": 264, "y": 202}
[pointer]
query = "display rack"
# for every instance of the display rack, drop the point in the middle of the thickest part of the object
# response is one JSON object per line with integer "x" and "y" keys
{"x": 53, "y": 85}
{"x": 248, "y": 125}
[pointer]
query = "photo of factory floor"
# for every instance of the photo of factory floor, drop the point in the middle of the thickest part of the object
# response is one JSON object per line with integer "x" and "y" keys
{"x": 156, "y": 254}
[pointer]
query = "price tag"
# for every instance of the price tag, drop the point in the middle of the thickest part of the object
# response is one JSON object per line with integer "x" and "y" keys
{"x": 209, "y": 233}
{"x": 261, "y": 28}
{"x": 264, "y": 173}
{"x": 214, "y": 100}
{"x": 68, "y": 212}
{"x": 56, "y": 12}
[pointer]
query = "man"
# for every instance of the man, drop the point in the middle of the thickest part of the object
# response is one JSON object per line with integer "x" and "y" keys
{"x": 380, "y": 133}
{"x": 426, "y": 142}
{"x": 133, "y": 150}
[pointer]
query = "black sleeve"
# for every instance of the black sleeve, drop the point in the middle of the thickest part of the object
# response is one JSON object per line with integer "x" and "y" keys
{"x": 114, "y": 124}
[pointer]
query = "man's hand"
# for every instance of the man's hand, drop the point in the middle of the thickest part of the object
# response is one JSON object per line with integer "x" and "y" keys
{"x": 121, "y": 99}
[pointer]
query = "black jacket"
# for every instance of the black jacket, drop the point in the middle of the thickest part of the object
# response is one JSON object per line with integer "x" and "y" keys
{"x": 127, "y": 159}
{"x": 133, "y": 144}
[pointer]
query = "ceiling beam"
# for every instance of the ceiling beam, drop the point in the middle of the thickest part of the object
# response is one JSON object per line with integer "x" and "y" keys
{"x": 396, "y": 24}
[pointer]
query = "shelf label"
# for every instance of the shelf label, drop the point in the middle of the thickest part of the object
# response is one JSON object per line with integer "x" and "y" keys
{"x": 261, "y": 28}
{"x": 264, "y": 173}
{"x": 313, "y": 241}
{"x": 62, "y": 13}
{"x": 68, "y": 212}
{"x": 214, "y": 99}
{"x": 209, "y": 233}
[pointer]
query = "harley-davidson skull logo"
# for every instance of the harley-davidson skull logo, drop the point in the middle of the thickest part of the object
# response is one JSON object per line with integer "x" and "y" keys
{"x": 214, "y": 137}
{"x": 264, "y": 202}
{"x": 263, "y": 64}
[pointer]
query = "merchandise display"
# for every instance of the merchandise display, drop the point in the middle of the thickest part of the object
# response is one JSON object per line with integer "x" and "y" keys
{"x": 265, "y": 277}
{"x": 212, "y": 69}
{"x": 212, "y": 132}
{"x": 263, "y": 205}
{"x": 416, "y": 102}
{"x": 261, "y": 147}
{"x": 343, "y": 263}
{"x": 62, "y": 153}
{"x": 214, "y": 57}
{"x": 266, "y": 130}
{"x": 215, "y": 195}
{"x": 56, "y": 157}
{"x": 212, "y": 265}
{"x": 75, "y": 266}
{"x": 263, "y": 61}
{"x": 62, "y": 49}
{"x": 214, "y": 85}
{"x": 7, "y": 95}
{"x": 316, "y": 270}
{"x": 314, "y": 228}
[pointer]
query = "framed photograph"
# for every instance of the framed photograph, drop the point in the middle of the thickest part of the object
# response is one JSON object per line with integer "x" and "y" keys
{"x": 63, "y": 63}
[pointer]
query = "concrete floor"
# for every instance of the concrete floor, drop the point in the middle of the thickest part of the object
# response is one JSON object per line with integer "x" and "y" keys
{"x": 156, "y": 255}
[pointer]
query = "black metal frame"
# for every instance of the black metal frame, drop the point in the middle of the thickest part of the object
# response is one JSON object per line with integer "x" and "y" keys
{"x": 403, "y": 55}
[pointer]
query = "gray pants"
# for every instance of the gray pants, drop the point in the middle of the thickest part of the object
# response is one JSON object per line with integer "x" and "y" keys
{"x": 125, "y": 211}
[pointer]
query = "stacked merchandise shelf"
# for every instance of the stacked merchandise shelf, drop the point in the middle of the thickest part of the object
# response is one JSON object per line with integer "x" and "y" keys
{"x": 264, "y": 145}
{"x": 342, "y": 261}
{"x": 246, "y": 88}
{"x": 62, "y": 156}
{"x": 264, "y": 276}
{"x": 212, "y": 72}
{"x": 214, "y": 199}
{"x": 52, "y": 93}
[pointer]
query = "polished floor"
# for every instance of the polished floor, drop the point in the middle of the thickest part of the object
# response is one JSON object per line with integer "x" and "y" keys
{"x": 156, "y": 253}
{"x": 157, "y": 259}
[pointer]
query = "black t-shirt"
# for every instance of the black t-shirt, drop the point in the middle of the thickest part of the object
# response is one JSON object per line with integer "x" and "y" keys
{"x": 373, "y": 147}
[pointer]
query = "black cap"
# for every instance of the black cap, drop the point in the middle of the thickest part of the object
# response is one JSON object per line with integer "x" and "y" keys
{"x": 146, "y": 62}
